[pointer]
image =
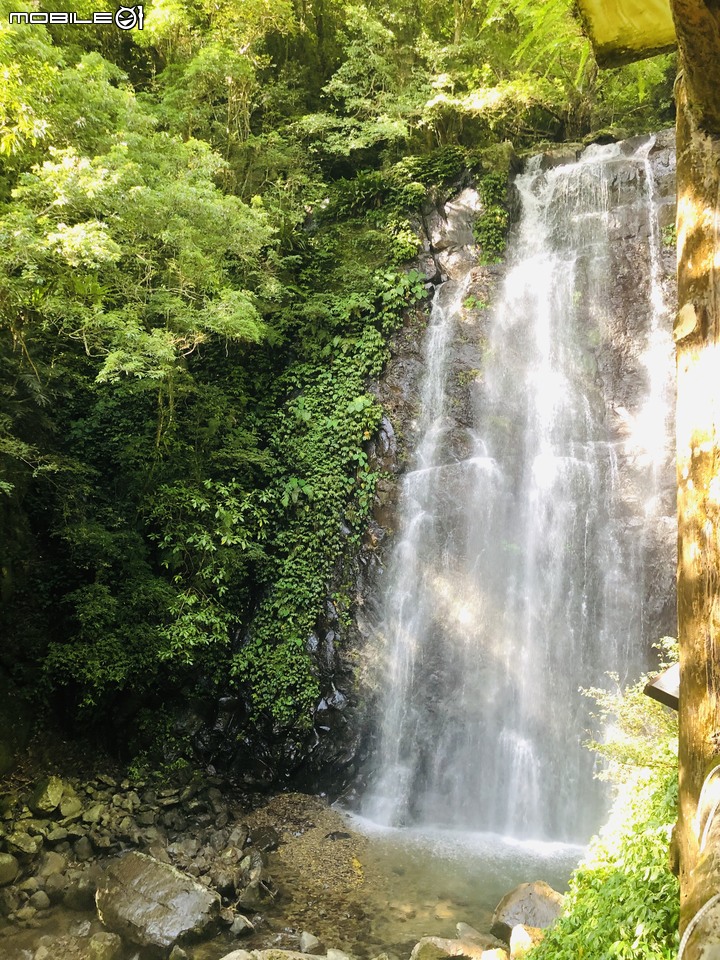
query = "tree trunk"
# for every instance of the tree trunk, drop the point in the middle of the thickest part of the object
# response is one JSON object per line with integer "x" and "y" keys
{"x": 697, "y": 25}
{"x": 697, "y": 332}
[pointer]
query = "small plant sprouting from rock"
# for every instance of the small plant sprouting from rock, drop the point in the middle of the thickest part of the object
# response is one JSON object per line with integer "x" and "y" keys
{"x": 669, "y": 235}
{"x": 472, "y": 302}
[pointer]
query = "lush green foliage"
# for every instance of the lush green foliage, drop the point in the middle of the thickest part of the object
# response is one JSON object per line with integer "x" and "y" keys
{"x": 202, "y": 227}
{"x": 492, "y": 224}
{"x": 623, "y": 900}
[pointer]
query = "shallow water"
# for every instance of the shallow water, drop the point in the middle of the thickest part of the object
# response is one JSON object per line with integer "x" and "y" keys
{"x": 436, "y": 878}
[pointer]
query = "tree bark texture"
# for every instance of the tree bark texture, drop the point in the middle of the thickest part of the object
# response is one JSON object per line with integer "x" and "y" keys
{"x": 697, "y": 333}
{"x": 697, "y": 26}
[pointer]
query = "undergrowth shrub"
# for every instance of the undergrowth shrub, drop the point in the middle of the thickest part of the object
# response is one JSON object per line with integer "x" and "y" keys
{"x": 623, "y": 900}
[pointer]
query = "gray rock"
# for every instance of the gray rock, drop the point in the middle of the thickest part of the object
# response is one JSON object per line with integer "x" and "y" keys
{"x": 80, "y": 892}
{"x": 94, "y": 813}
{"x": 177, "y": 953}
{"x": 523, "y": 939}
{"x": 187, "y": 847}
{"x": 243, "y": 955}
{"x": 251, "y": 897}
{"x": 83, "y": 849}
{"x": 55, "y": 886}
{"x": 337, "y": 955}
{"x": 9, "y": 901}
{"x": 8, "y": 869}
{"x": 70, "y": 806}
{"x": 105, "y": 946}
{"x": 252, "y": 866}
{"x": 22, "y": 843}
{"x": 152, "y": 903}
{"x": 47, "y": 795}
{"x": 57, "y": 835}
{"x": 51, "y": 863}
{"x": 309, "y": 943}
{"x": 265, "y": 838}
{"x": 241, "y": 926}
{"x": 532, "y": 904}
{"x": 40, "y": 900}
{"x": 238, "y": 836}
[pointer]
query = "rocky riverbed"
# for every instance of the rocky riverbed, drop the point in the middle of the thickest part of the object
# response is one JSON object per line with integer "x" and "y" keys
{"x": 109, "y": 868}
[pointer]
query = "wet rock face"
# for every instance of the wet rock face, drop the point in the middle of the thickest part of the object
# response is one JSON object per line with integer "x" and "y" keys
{"x": 153, "y": 904}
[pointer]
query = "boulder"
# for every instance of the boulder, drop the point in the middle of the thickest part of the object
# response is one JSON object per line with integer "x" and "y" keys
{"x": 51, "y": 863}
{"x": 47, "y": 795}
{"x": 105, "y": 946}
{"x": 39, "y": 900}
{"x": 70, "y": 806}
{"x": 265, "y": 838}
{"x": 8, "y": 868}
{"x": 533, "y": 904}
{"x": 22, "y": 843}
{"x": 251, "y": 897}
{"x": 55, "y": 887}
{"x": 83, "y": 849}
{"x": 154, "y": 904}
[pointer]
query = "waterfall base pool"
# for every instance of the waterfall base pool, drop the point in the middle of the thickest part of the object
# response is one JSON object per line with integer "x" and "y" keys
{"x": 430, "y": 880}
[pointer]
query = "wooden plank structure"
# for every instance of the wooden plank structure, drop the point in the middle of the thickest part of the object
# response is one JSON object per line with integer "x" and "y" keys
{"x": 625, "y": 30}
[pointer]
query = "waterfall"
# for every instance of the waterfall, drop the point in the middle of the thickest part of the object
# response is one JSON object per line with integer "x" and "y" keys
{"x": 519, "y": 568}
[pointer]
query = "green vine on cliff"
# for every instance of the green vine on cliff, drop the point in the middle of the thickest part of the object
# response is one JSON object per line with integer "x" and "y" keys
{"x": 318, "y": 436}
{"x": 492, "y": 225}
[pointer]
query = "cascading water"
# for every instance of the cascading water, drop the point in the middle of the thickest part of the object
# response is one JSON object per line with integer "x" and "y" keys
{"x": 519, "y": 569}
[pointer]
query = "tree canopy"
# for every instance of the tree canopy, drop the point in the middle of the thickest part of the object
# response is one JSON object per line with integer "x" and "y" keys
{"x": 202, "y": 231}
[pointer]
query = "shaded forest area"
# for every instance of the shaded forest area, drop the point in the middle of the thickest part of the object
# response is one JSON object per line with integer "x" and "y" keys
{"x": 203, "y": 227}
